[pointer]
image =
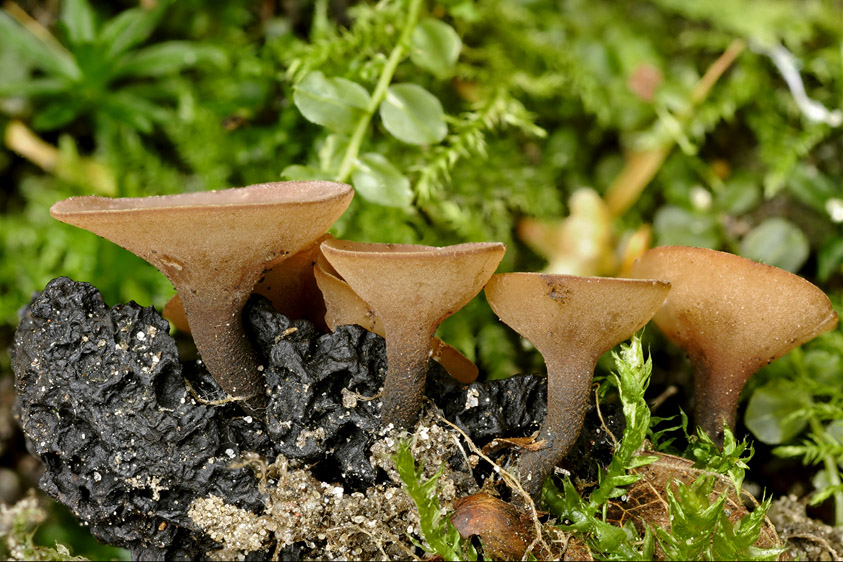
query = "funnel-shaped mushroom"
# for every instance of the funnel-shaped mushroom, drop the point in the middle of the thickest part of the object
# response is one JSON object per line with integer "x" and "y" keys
{"x": 213, "y": 246}
{"x": 290, "y": 286}
{"x": 412, "y": 289}
{"x": 343, "y": 306}
{"x": 731, "y": 315}
{"x": 572, "y": 321}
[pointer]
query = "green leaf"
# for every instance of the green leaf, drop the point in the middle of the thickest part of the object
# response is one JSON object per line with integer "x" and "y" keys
{"x": 776, "y": 242}
{"x": 413, "y": 115}
{"x": 676, "y": 226}
{"x": 130, "y": 28}
{"x": 34, "y": 87}
{"x": 435, "y": 47}
{"x": 304, "y": 173}
{"x": 56, "y": 114}
{"x": 133, "y": 110}
{"x": 378, "y": 181}
{"x": 78, "y": 19}
{"x": 335, "y": 103}
{"x": 438, "y": 531}
{"x": 51, "y": 59}
{"x": 739, "y": 196}
{"x": 768, "y": 414}
{"x": 830, "y": 258}
{"x": 168, "y": 58}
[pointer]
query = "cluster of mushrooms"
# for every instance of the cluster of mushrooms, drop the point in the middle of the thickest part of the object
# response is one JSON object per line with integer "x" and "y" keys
{"x": 730, "y": 314}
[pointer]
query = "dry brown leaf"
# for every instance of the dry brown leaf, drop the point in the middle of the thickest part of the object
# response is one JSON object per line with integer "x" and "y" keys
{"x": 503, "y": 530}
{"x": 645, "y": 502}
{"x": 524, "y": 443}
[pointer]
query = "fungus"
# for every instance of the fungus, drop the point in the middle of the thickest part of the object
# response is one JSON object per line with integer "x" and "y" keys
{"x": 732, "y": 316}
{"x": 572, "y": 321}
{"x": 289, "y": 285}
{"x": 213, "y": 246}
{"x": 412, "y": 289}
{"x": 343, "y": 306}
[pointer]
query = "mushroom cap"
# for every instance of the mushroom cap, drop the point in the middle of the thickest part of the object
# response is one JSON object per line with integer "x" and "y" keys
{"x": 290, "y": 286}
{"x": 574, "y": 316}
{"x": 412, "y": 284}
{"x": 343, "y": 306}
{"x": 213, "y": 238}
{"x": 732, "y": 314}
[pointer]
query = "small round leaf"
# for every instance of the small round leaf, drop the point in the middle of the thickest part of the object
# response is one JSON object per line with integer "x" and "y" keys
{"x": 413, "y": 115}
{"x": 378, "y": 181}
{"x": 335, "y": 103}
{"x": 776, "y": 242}
{"x": 768, "y": 414}
{"x": 436, "y": 47}
{"x": 676, "y": 226}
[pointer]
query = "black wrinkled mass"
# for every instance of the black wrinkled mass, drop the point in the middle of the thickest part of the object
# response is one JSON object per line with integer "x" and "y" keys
{"x": 307, "y": 374}
{"x": 102, "y": 402}
{"x": 127, "y": 447}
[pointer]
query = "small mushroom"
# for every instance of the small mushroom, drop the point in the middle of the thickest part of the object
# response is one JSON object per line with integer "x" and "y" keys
{"x": 412, "y": 289}
{"x": 343, "y": 306}
{"x": 732, "y": 316}
{"x": 213, "y": 246}
{"x": 289, "y": 285}
{"x": 572, "y": 321}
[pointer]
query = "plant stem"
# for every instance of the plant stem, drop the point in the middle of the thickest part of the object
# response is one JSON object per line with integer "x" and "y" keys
{"x": 395, "y": 57}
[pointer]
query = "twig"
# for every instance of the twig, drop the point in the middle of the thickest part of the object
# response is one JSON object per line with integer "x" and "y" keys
{"x": 661, "y": 398}
{"x": 641, "y": 166}
{"x": 34, "y": 27}
{"x": 817, "y": 539}
{"x": 395, "y": 540}
{"x": 602, "y": 422}
{"x": 220, "y": 402}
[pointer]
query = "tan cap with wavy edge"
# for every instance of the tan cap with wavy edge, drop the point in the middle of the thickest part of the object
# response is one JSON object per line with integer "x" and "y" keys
{"x": 344, "y": 306}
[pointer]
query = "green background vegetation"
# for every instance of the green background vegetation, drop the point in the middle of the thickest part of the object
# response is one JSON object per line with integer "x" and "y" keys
{"x": 455, "y": 121}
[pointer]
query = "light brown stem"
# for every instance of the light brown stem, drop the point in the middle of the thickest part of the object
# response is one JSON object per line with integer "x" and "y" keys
{"x": 568, "y": 383}
{"x": 715, "y": 400}
{"x": 221, "y": 341}
{"x": 407, "y": 356}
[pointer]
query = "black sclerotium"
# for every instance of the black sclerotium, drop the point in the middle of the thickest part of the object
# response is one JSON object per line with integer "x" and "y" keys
{"x": 128, "y": 446}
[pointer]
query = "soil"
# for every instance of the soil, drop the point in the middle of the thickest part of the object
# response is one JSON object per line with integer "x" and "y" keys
{"x": 806, "y": 538}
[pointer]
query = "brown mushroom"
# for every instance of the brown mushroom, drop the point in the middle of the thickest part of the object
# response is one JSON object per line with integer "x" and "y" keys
{"x": 731, "y": 315}
{"x": 213, "y": 246}
{"x": 412, "y": 289}
{"x": 343, "y": 306}
{"x": 289, "y": 285}
{"x": 572, "y": 321}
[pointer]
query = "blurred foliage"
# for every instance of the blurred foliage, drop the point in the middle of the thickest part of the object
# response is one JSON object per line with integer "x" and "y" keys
{"x": 797, "y": 404}
{"x": 26, "y": 531}
{"x": 578, "y": 133}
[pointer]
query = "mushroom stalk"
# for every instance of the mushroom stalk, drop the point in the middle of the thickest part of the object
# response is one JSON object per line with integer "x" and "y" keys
{"x": 568, "y": 385}
{"x": 716, "y": 401}
{"x": 403, "y": 389}
{"x": 226, "y": 351}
